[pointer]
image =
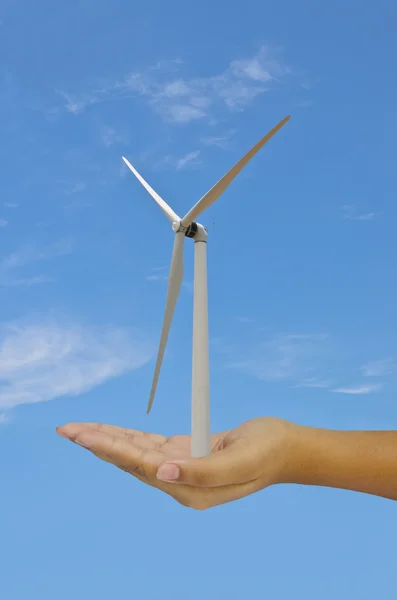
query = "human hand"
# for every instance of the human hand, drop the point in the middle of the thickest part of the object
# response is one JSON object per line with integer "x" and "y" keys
{"x": 242, "y": 461}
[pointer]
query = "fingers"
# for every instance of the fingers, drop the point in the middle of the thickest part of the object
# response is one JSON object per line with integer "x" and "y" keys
{"x": 145, "y": 439}
{"x": 139, "y": 453}
{"x": 116, "y": 449}
{"x": 229, "y": 466}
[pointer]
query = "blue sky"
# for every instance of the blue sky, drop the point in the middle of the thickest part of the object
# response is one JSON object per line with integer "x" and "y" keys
{"x": 301, "y": 280}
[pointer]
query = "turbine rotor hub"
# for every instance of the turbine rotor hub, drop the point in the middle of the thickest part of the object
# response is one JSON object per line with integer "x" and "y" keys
{"x": 177, "y": 226}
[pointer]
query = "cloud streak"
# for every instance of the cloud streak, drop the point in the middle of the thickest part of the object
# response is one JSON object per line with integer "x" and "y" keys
{"x": 188, "y": 160}
{"x": 350, "y": 213}
{"x": 110, "y": 137}
{"x": 315, "y": 383}
{"x": 27, "y": 255}
{"x": 378, "y": 368}
{"x": 358, "y": 389}
{"x": 285, "y": 357}
{"x": 178, "y": 99}
{"x": 48, "y": 359}
{"x": 306, "y": 361}
{"x": 220, "y": 141}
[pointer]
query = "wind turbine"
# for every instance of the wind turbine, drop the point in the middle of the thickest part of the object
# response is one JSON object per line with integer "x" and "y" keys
{"x": 188, "y": 227}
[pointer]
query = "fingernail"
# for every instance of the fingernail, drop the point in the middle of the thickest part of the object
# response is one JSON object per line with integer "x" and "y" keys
{"x": 168, "y": 472}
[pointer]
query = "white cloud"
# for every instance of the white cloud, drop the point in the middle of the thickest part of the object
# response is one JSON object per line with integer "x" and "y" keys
{"x": 262, "y": 67}
{"x": 304, "y": 104}
{"x": 3, "y": 418}
{"x": 27, "y": 255}
{"x": 359, "y": 389}
{"x": 350, "y": 213}
{"x": 219, "y": 141}
{"x": 181, "y": 113}
{"x": 366, "y": 216}
{"x": 48, "y": 359}
{"x": 110, "y": 136}
{"x": 156, "y": 278}
{"x": 77, "y": 188}
{"x": 188, "y": 159}
{"x": 181, "y": 99}
{"x": 26, "y": 281}
{"x": 158, "y": 273}
{"x": 3, "y": 223}
{"x": 10, "y": 205}
{"x": 314, "y": 382}
{"x": 245, "y": 320}
{"x": 378, "y": 368}
{"x": 283, "y": 357}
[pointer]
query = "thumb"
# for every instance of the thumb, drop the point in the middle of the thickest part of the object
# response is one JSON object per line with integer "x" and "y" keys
{"x": 224, "y": 467}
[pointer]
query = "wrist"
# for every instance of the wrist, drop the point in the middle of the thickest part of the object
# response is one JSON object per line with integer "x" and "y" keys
{"x": 303, "y": 455}
{"x": 361, "y": 461}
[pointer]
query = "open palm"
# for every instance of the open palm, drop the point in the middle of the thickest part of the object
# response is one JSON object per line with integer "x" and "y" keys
{"x": 137, "y": 452}
{"x": 233, "y": 469}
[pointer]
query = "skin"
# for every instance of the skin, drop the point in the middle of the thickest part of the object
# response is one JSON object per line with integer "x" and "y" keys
{"x": 259, "y": 453}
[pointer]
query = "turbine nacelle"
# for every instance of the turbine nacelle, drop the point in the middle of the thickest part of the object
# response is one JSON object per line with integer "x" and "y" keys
{"x": 194, "y": 230}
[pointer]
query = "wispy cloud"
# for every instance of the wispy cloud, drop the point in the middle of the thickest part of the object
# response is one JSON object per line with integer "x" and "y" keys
{"x": 3, "y": 418}
{"x": 111, "y": 137}
{"x": 245, "y": 320}
{"x": 358, "y": 389}
{"x": 315, "y": 382}
{"x": 190, "y": 159}
{"x": 156, "y": 277}
{"x": 180, "y": 99}
{"x": 158, "y": 274}
{"x": 221, "y": 141}
{"x": 48, "y": 359}
{"x": 281, "y": 358}
{"x": 378, "y": 368}
{"x": 304, "y": 104}
{"x": 10, "y": 204}
{"x": 349, "y": 212}
{"x": 76, "y": 188}
{"x": 309, "y": 361}
{"x": 27, "y": 255}
{"x": 3, "y": 223}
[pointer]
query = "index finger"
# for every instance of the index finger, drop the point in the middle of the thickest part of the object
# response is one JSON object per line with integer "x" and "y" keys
{"x": 143, "y": 439}
{"x": 120, "y": 451}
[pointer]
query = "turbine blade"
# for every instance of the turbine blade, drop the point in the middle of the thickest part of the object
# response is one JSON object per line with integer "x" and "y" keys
{"x": 213, "y": 194}
{"x": 167, "y": 210}
{"x": 174, "y": 287}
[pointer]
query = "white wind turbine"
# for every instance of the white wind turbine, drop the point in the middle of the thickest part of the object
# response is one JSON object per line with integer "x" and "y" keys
{"x": 188, "y": 227}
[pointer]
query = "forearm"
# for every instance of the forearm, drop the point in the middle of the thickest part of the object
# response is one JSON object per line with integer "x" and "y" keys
{"x": 362, "y": 461}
